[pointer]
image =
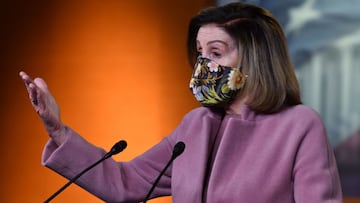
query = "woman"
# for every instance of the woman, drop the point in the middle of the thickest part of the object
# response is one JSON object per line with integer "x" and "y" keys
{"x": 252, "y": 141}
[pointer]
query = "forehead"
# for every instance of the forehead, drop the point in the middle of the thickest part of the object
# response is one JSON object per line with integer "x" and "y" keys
{"x": 212, "y": 32}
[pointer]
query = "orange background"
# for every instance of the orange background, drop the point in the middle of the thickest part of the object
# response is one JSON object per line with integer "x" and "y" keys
{"x": 117, "y": 69}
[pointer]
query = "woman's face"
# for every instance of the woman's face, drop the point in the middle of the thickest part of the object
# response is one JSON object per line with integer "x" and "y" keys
{"x": 214, "y": 43}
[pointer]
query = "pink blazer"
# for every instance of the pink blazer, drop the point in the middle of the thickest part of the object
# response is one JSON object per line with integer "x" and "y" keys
{"x": 274, "y": 158}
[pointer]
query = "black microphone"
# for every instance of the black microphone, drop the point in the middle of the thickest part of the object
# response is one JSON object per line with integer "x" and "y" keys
{"x": 117, "y": 148}
{"x": 178, "y": 149}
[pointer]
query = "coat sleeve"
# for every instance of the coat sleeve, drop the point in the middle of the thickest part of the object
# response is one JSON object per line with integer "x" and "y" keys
{"x": 316, "y": 178}
{"x": 111, "y": 181}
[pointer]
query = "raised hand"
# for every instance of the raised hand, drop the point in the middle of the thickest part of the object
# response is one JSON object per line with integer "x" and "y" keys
{"x": 45, "y": 106}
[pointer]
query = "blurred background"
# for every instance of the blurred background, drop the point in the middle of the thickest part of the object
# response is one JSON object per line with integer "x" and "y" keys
{"x": 118, "y": 70}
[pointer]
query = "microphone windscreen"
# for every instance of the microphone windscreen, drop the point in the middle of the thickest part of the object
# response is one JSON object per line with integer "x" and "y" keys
{"x": 118, "y": 147}
{"x": 178, "y": 149}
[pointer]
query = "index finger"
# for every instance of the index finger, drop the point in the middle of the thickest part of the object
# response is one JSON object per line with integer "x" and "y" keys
{"x": 25, "y": 77}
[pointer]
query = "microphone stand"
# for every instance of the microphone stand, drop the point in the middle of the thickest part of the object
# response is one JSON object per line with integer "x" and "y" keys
{"x": 178, "y": 149}
{"x": 117, "y": 148}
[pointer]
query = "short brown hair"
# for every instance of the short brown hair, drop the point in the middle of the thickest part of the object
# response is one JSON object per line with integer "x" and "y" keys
{"x": 271, "y": 83}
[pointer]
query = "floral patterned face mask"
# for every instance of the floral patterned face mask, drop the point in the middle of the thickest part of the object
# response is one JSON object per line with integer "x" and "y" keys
{"x": 213, "y": 84}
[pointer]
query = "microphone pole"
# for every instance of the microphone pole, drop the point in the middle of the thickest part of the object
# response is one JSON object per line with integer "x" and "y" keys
{"x": 178, "y": 149}
{"x": 117, "y": 148}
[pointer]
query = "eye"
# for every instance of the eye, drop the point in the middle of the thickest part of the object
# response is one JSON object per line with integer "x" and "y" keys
{"x": 216, "y": 52}
{"x": 215, "y": 55}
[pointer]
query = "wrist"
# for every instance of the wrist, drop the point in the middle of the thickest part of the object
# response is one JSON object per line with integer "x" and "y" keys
{"x": 59, "y": 135}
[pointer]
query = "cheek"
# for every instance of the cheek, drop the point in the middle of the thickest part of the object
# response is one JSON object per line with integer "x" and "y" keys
{"x": 232, "y": 60}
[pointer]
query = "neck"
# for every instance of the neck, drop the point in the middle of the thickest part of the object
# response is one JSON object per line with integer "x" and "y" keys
{"x": 236, "y": 106}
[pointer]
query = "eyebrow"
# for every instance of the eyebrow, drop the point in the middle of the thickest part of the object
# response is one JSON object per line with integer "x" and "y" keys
{"x": 214, "y": 41}
{"x": 219, "y": 41}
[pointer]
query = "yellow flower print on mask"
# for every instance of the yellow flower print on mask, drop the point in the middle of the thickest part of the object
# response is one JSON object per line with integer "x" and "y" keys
{"x": 236, "y": 79}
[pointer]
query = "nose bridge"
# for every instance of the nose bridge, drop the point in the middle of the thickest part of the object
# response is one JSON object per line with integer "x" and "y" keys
{"x": 207, "y": 55}
{"x": 204, "y": 53}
